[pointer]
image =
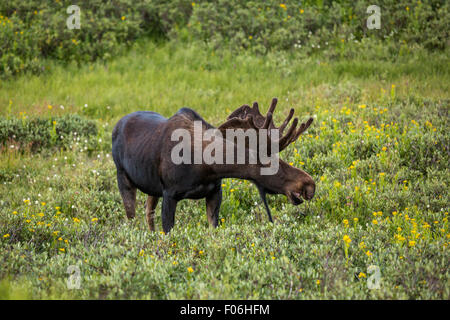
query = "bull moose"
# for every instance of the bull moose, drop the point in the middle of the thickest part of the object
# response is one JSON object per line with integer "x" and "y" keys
{"x": 142, "y": 145}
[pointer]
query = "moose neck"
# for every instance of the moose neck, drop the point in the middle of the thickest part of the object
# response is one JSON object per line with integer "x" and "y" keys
{"x": 237, "y": 161}
{"x": 239, "y": 171}
{"x": 275, "y": 182}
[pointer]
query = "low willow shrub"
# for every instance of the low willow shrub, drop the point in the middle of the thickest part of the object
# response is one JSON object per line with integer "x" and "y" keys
{"x": 34, "y": 134}
{"x": 34, "y": 31}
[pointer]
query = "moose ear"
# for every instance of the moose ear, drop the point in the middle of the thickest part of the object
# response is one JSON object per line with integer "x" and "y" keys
{"x": 238, "y": 123}
{"x": 240, "y": 112}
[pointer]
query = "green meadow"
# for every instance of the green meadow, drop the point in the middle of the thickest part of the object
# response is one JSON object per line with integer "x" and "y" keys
{"x": 378, "y": 150}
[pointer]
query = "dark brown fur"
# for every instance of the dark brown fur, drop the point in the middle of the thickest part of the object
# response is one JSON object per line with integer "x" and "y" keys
{"x": 141, "y": 148}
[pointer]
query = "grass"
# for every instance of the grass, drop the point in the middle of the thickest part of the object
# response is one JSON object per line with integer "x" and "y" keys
{"x": 164, "y": 78}
{"x": 378, "y": 151}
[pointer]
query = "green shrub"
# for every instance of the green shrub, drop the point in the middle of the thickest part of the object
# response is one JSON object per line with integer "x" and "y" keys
{"x": 317, "y": 25}
{"x": 32, "y": 31}
{"x": 37, "y": 133}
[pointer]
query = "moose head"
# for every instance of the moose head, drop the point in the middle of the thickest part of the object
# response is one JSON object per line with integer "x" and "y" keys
{"x": 290, "y": 181}
{"x": 143, "y": 149}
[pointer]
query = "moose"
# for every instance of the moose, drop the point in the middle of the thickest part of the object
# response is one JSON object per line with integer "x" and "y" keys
{"x": 142, "y": 144}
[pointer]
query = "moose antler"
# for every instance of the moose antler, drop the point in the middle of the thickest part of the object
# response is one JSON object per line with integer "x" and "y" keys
{"x": 246, "y": 117}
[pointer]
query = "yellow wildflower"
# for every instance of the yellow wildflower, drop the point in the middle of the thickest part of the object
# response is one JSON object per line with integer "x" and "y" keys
{"x": 347, "y": 239}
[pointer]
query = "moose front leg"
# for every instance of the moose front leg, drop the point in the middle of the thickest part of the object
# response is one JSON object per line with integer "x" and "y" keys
{"x": 168, "y": 212}
{"x": 213, "y": 202}
{"x": 150, "y": 207}
{"x": 128, "y": 193}
{"x": 262, "y": 194}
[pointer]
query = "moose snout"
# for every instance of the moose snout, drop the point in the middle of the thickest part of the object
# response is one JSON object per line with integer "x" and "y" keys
{"x": 308, "y": 191}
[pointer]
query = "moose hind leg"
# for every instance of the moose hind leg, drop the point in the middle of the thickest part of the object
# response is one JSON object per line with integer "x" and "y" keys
{"x": 213, "y": 202}
{"x": 128, "y": 193}
{"x": 150, "y": 207}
